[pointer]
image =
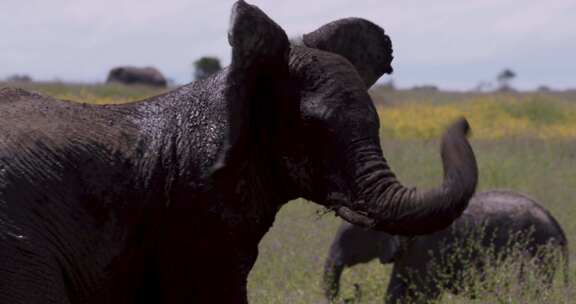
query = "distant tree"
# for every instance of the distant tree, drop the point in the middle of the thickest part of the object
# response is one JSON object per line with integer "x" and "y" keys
{"x": 483, "y": 86}
{"x": 544, "y": 89}
{"x": 388, "y": 85}
{"x": 504, "y": 79}
{"x": 19, "y": 78}
{"x": 206, "y": 66}
{"x": 426, "y": 87}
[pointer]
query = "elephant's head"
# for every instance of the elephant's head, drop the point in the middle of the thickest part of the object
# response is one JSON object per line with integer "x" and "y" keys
{"x": 312, "y": 117}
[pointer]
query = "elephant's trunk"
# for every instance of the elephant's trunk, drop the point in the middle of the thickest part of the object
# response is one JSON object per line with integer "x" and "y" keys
{"x": 384, "y": 204}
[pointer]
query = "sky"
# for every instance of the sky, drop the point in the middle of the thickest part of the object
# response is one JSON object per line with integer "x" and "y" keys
{"x": 452, "y": 44}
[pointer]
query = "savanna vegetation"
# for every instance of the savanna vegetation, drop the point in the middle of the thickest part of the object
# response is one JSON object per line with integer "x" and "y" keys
{"x": 523, "y": 141}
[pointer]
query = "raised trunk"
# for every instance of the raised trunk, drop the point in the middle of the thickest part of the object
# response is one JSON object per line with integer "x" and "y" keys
{"x": 383, "y": 203}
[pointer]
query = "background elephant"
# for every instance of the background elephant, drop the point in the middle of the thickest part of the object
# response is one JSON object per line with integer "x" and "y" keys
{"x": 148, "y": 76}
{"x": 493, "y": 218}
{"x": 165, "y": 200}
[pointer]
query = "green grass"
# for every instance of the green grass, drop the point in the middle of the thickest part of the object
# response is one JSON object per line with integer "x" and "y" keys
{"x": 538, "y": 110}
{"x": 89, "y": 93}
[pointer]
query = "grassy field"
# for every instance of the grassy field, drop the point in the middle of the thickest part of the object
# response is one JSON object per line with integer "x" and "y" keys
{"x": 523, "y": 141}
{"x": 89, "y": 93}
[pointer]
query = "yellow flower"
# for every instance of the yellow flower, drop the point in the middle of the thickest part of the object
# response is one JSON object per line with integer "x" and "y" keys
{"x": 490, "y": 118}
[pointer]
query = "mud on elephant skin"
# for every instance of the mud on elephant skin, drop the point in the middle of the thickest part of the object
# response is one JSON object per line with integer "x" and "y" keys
{"x": 495, "y": 221}
{"x": 165, "y": 200}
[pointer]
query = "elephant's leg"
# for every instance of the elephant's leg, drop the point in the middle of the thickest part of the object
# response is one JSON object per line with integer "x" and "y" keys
{"x": 427, "y": 292}
{"x": 409, "y": 286}
{"x": 550, "y": 261}
{"x": 210, "y": 281}
{"x": 541, "y": 267}
{"x": 546, "y": 269}
{"x": 221, "y": 286}
{"x": 332, "y": 273}
{"x": 204, "y": 268}
{"x": 397, "y": 288}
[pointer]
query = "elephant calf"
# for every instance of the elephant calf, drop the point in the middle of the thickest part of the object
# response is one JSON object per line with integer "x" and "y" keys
{"x": 420, "y": 261}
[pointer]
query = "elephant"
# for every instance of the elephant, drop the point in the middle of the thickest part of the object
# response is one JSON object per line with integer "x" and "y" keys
{"x": 148, "y": 76}
{"x": 164, "y": 200}
{"x": 494, "y": 221}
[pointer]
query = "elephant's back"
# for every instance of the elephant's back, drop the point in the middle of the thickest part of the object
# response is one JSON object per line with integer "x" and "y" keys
{"x": 29, "y": 116}
{"x": 494, "y": 219}
{"x": 512, "y": 212}
{"x": 506, "y": 204}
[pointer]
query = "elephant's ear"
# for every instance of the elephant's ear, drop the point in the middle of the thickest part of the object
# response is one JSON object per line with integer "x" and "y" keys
{"x": 360, "y": 41}
{"x": 254, "y": 80}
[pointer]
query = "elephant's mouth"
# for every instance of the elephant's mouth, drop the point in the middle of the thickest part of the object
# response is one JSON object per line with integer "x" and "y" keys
{"x": 357, "y": 218}
{"x": 339, "y": 202}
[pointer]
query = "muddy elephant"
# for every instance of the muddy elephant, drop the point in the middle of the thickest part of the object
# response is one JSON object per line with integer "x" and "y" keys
{"x": 165, "y": 200}
{"x": 497, "y": 222}
{"x": 147, "y": 76}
